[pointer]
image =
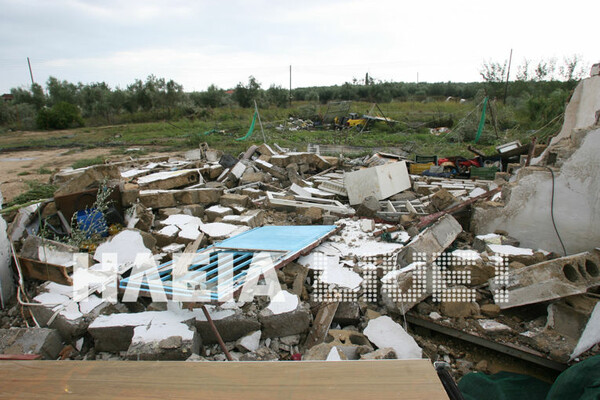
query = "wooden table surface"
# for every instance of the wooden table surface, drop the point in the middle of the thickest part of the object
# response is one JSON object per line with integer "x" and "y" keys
{"x": 314, "y": 380}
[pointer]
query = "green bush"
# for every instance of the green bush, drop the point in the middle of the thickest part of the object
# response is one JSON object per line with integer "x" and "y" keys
{"x": 62, "y": 115}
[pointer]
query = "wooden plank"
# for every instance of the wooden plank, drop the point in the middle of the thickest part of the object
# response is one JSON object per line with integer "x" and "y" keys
{"x": 315, "y": 380}
{"x": 45, "y": 271}
{"x": 321, "y": 324}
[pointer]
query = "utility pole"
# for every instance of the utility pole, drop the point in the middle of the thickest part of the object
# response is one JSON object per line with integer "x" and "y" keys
{"x": 290, "y": 86}
{"x": 417, "y": 77}
{"x": 507, "y": 74}
{"x": 30, "y": 73}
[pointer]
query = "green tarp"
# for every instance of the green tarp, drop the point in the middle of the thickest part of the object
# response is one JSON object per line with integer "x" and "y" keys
{"x": 579, "y": 382}
{"x": 251, "y": 127}
{"x": 482, "y": 120}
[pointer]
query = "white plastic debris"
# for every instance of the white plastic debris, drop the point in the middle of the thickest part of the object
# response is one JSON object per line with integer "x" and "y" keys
{"x": 283, "y": 302}
{"x": 384, "y": 332}
{"x": 334, "y": 355}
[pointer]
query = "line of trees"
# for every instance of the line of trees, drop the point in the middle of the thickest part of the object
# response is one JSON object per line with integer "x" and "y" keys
{"x": 63, "y": 104}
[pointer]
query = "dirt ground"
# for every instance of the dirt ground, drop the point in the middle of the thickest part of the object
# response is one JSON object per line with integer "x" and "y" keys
{"x": 18, "y": 167}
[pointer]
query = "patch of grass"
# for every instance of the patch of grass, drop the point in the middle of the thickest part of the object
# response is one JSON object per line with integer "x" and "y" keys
{"x": 44, "y": 171}
{"x": 24, "y": 173}
{"x": 37, "y": 191}
{"x": 87, "y": 162}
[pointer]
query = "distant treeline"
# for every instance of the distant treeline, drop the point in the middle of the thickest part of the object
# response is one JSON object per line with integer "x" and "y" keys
{"x": 62, "y": 104}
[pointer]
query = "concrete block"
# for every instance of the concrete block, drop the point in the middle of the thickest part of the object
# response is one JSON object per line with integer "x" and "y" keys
{"x": 348, "y": 313}
{"x": 231, "y": 328}
{"x": 231, "y": 199}
{"x": 287, "y": 323}
{"x": 251, "y": 177}
{"x": 382, "y": 182}
{"x": 209, "y": 195}
{"x": 274, "y": 170}
{"x": 43, "y": 341}
{"x": 549, "y": 280}
{"x": 252, "y": 219}
{"x": 280, "y": 160}
{"x": 170, "y": 179}
{"x": 368, "y": 207}
{"x": 90, "y": 177}
{"x": 217, "y": 211}
{"x": 253, "y": 193}
{"x": 157, "y": 198}
{"x": 129, "y": 197}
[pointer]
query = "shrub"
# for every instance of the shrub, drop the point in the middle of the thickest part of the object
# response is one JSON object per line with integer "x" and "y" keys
{"x": 62, "y": 115}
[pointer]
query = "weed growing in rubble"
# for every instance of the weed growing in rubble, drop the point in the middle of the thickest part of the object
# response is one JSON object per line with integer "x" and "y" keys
{"x": 87, "y": 162}
{"x": 37, "y": 191}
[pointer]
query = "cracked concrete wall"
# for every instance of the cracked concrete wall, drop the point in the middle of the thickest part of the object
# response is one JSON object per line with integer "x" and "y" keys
{"x": 526, "y": 214}
{"x": 7, "y": 288}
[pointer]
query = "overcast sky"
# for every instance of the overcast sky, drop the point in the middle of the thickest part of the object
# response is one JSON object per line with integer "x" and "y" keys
{"x": 327, "y": 42}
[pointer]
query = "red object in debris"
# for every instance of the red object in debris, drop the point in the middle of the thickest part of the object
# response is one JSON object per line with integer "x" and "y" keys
{"x": 4, "y": 357}
{"x": 297, "y": 357}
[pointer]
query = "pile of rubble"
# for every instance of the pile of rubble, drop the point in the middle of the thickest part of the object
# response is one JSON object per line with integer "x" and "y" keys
{"x": 370, "y": 260}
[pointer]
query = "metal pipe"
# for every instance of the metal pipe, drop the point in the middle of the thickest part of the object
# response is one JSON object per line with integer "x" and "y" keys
{"x": 216, "y": 332}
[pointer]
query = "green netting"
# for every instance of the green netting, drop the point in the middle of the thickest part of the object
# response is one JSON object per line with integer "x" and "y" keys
{"x": 211, "y": 131}
{"x": 482, "y": 120}
{"x": 251, "y": 128}
{"x": 502, "y": 386}
{"x": 579, "y": 382}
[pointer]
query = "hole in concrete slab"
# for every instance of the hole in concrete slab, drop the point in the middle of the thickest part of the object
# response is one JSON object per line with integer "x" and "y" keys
{"x": 570, "y": 273}
{"x": 591, "y": 268}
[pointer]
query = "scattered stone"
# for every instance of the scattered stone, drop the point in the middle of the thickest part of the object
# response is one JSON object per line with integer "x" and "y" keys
{"x": 42, "y": 341}
{"x": 369, "y": 207}
{"x": 386, "y": 353}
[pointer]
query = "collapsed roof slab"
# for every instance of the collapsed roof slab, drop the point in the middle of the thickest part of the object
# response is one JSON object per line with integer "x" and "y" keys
{"x": 282, "y": 243}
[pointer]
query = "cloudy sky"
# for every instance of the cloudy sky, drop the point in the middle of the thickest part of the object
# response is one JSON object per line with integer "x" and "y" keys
{"x": 197, "y": 43}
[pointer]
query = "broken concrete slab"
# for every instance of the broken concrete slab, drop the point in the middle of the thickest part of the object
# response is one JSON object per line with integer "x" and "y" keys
{"x": 433, "y": 240}
{"x": 285, "y": 316}
{"x": 41, "y": 341}
{"x": 231, "y": 324}
{"x": 115, "y": 332}
{"x": 163, "y": 342}
{"x": 549, "y": 280}
{"x": 382, "y": 182}
{"x": 69, "y": 318}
